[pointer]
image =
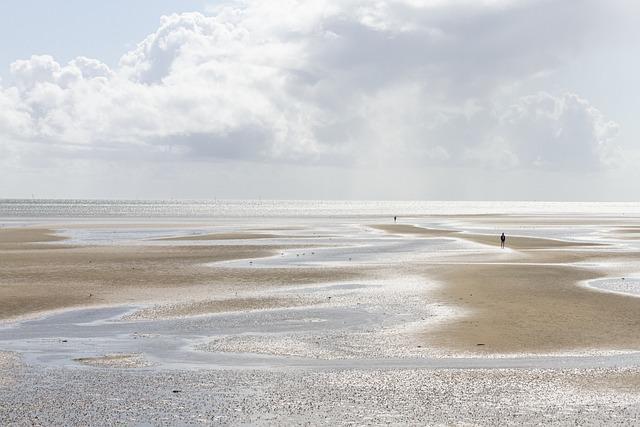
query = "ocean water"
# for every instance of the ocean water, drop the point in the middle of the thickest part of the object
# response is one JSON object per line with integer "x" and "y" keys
{"x": 185, "y": 209}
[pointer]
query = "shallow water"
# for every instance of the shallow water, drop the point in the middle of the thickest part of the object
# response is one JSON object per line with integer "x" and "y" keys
{"x": 58, "y": 339}
{"x": 621, "y": 285}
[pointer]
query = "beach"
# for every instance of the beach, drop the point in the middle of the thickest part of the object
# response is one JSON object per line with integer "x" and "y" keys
{"x": 323, "y": 320}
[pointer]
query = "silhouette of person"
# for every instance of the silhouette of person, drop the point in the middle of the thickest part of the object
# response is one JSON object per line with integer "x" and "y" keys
{"x": 503, "y": 238}
{"x": 395, "y": 219}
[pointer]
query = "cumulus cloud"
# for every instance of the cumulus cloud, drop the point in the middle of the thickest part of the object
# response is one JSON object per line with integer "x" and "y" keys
{"x": 41, "y": 69}
{"x": 329, "y": 82}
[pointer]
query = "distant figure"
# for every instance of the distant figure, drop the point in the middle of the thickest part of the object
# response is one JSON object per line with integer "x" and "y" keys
{"x": 503, "y": 238}
{"x": 395, "y": 218}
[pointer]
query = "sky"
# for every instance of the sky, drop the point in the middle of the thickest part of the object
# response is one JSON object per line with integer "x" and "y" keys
{"x": 320, "y": 99}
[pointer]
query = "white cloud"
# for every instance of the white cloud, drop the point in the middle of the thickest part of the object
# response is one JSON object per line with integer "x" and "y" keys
{"x": 330, "y": 82}
{"x": 559, "y": 132}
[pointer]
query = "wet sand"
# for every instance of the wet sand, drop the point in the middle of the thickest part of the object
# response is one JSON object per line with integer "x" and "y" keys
{"x": 14, "y": 236}
{"x": 222, "y": 236}
{"x": 413, "y": 230}
{"x": 326, "y": 397}
{"x": 27, "y": 238}
{"x": 364, "y": 331}
{"x": 523, "y": 300}
{"x": 513, "y": 242}
{"x": 532, "y": 309}
{"x": 631, "y": 230}
{"x": 526, "y": 302}
{"x": 10, "y": 365}
{"x": 126, "y": 361}
{"x": 37, "y": 277}
{"x": 197, "y": 308}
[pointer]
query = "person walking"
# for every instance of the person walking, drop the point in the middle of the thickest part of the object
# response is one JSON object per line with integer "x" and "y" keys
{"x": 503, "y": 238}
{"x": 395, "y": 219}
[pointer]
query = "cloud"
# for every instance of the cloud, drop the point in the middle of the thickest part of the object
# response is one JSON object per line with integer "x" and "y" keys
{"x": 559, "y": 132}
{"x": 42, "y": 69}
{"x": 325, "y": 82}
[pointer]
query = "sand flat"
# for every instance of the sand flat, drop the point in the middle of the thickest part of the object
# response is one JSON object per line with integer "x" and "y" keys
{"x": 529, "y": 301}
{"x": 412, "y": 229}
{"x": 223, "y": 236}
{"x": 520, "y": 242}
{"x": 28, "y": 235}
{"x": 10, "y": 364}
{"x": 324, "y": 397}
{"x": 36, "y": 278}
{"x": 33, "y": 281}
{"x": 629, "y": 229}
{"x": 514, "y": 242}
{"x": 28, "y": 238}
{"x": 516, "y": 301}
{"x": 531, "y": 309}
{"x": 127, "y": 361}
{"x": 384, "y": 347}
{"x": 222, "y": 305}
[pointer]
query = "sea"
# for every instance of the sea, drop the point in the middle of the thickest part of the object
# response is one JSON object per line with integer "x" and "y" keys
{"x": 34, "y": 209}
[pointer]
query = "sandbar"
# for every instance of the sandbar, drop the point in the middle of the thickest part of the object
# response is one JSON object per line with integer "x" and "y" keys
{"x": 55, "y": 276}
{"x": 223, "y": 236}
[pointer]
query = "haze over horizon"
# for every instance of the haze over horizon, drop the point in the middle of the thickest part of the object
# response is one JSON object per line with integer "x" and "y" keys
{"x": 326, "y": 99}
